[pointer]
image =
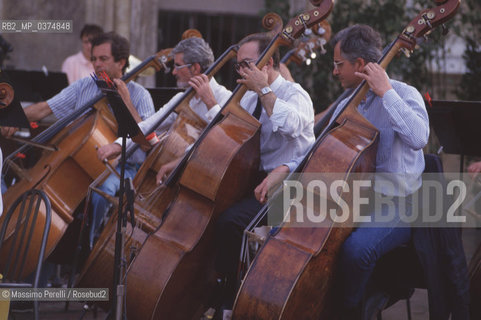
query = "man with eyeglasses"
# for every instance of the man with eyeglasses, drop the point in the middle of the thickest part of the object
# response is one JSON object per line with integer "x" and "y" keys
{"x": 286, "y": 113}
{"x": 398, "y": 111}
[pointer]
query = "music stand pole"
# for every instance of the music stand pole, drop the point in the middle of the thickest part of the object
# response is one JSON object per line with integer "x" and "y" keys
{"x": 118, "y": 286}
{"x": 126, "y": 127}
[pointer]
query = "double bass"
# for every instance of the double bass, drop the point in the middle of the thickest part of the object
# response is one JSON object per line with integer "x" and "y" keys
{"x": 71, "y": 157}
{"x": 176, "y": 263}
{"x": 151, "y": 201}
{"x": 294, "y": 272}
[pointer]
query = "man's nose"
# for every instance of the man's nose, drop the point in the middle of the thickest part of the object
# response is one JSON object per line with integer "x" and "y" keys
{"x": 96, "y": 63}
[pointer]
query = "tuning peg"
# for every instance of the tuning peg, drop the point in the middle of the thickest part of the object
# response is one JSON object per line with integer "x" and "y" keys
{"x": 406, "y": 52}
{"x": 323, "y": 50}
{"x": 302, "y": 54}
{"x": 445, "y": 30}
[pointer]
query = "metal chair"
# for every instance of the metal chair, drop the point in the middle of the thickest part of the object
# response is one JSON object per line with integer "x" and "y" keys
{"x": 26, "y": 211}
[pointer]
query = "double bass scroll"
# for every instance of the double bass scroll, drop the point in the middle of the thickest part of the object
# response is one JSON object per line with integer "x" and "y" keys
{"x": 304, "y": 51}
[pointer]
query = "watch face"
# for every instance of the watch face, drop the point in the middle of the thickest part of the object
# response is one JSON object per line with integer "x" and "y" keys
{"x": 266, "y": 90}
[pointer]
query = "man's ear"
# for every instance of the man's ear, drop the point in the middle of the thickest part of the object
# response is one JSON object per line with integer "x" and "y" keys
{"x": 197, "y": 68}
{"x": 122, "y": 63}
{"x": 270, "y": 62}
{"x": 360, "y": 63}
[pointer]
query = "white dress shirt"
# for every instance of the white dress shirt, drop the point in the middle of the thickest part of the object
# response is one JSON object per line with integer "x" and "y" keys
{"x": 288, "y": 133}
{"x": 221, "y": 95}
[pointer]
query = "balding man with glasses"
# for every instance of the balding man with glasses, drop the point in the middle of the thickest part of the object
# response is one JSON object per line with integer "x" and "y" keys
{"x": 286, "y": 113}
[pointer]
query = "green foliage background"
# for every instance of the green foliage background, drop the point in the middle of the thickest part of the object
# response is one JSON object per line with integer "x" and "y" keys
{"x": 390, "y": 17}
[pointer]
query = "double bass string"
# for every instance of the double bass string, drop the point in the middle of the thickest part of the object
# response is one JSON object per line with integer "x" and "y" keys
{"x": 318, "y": 127}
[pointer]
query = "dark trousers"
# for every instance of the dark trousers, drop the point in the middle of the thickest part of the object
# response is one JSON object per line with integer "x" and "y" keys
{"x": 229, "y": 230}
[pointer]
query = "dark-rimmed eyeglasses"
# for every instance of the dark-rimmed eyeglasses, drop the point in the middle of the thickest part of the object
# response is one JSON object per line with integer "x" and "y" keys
{"x": 243, "y": 64}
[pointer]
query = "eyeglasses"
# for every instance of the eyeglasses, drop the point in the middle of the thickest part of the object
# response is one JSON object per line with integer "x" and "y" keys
{"x": 337, "y": 64}
{"x": 178, "y": 67}
{"x": 243, "y": 64}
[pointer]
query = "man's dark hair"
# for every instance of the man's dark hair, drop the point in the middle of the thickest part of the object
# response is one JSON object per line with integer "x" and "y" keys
{"x": 263, "y": 41}
{"x": 359, "y": 41}
{"x": 91, "y": 30}
{"x": 120, "y": 46}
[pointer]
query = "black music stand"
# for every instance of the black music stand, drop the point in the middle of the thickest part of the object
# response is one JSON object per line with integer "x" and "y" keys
{"x": 458, "y": 126}
{"x": 37, "y": 86}
{"x": 13, "y": 114}
{"x": 126, "y": 127}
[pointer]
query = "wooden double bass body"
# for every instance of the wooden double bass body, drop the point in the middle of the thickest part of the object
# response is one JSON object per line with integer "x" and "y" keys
{"x": 221, "y": 171}
{"x": 65, "y": 173}
{"x": 151, "y": 200}
{"x": 171, "y": 272}
{"x": 293, "y": 275}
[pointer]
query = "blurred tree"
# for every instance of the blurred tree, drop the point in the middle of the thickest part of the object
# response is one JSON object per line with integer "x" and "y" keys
{"x": 389, "y": 17}
{"x": 470, "y": 30}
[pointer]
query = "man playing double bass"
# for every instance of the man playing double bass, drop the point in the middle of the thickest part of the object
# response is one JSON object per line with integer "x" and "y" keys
{"x": 192, "y": 57}
{"x": 398, "y": 111}
{"x": 110, "y": 53}
{"x": 286, "y": 113}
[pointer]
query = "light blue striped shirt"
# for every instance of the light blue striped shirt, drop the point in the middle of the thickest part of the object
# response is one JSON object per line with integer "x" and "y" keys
{"x": 82, "y": 91}
{"x": 402, "y": 120}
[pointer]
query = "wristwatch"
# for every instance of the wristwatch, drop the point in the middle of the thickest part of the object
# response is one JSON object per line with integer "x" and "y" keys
{"x": 265, "y": 91}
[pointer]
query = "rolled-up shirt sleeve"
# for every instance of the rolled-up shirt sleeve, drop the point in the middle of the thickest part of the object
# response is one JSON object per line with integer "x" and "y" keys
{"x": 291, "y": 115}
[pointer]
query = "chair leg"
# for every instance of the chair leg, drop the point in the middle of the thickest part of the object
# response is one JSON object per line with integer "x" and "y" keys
{"x": 408, "y": 308}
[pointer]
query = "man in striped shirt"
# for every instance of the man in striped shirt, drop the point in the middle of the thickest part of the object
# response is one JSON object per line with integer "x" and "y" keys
{"x": 398, "y": 111}
{"x": 110, "y": 53}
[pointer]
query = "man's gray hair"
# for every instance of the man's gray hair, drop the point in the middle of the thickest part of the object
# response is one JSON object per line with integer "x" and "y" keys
{"x": 195, "y": 50}
{"x": 359, "y": 41}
